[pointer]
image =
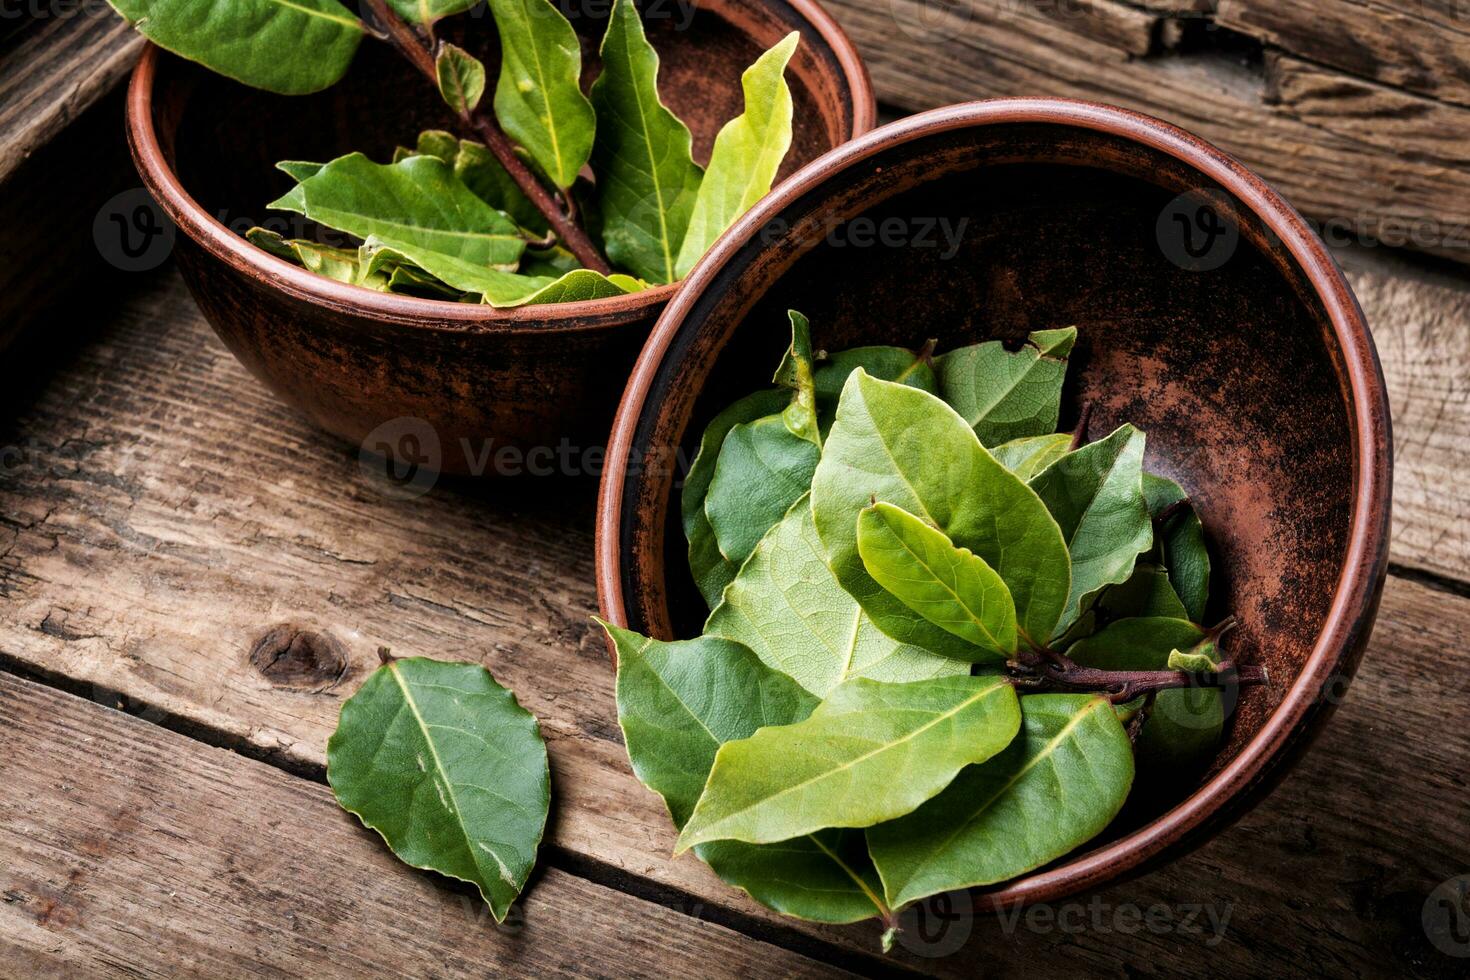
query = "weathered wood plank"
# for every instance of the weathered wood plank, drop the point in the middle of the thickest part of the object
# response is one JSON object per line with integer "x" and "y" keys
{"x": 923, "y": 55}
{"x": 53, "y": 68}
{"x": 1421, "y": 322}
{"x": 1422, "y": 46}
{"x": 132, "y": 851}
{"x": 159, "y": 513}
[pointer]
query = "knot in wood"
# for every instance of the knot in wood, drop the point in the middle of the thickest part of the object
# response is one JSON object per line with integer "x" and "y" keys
{"x": 297, "y": 658}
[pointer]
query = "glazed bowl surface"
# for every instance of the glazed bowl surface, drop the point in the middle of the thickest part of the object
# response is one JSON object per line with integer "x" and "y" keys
{"x": 1209, "y": 314}
{"x": 441, "y": 384}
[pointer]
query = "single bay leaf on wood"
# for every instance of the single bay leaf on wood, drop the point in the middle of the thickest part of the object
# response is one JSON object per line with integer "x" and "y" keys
{"x": 1181, "y": 542}
{"x": 1185, "y": 725}
{"x": 1096, "y": 496}
{"x": 905, "y": 447}
{"x": 450, "y": 770}
{"x": 747, "y": 154}
{"x": 787, "y": 606}
{"x": 646, "y": 175}
{"x": 762, "y": 469}
{"x": 1058, "y": 785}
{"x": 461, "y": 78}
{"x": 288, "y": 46}
{"x": 1006, "y": 395}
{"x": 538, "y": 97}
{"x": 417, "y": 208}
{"x": 869, "y": 753}
{"x": 677, "y": 703}
{"x": 712, "y": 570}
{"x": 951, "y": 587}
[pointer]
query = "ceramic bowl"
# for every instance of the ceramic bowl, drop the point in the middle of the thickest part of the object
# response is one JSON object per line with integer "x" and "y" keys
{"x": 1210, "y": 315}
{"x": 463, "y": 382}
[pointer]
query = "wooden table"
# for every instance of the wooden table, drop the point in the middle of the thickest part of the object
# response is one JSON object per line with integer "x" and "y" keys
{"x": 167, "y": 529}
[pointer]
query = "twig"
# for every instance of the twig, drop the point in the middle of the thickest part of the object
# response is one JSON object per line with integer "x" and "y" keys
{"x": 416, "y": 48}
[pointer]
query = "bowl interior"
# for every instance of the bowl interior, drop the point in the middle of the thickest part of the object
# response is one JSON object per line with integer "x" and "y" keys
{"x": 224, "y": 139}
{"x": 1232, "y": 372}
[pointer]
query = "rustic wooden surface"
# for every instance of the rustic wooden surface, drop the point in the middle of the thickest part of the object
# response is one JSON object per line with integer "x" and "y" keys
{"x": 161, "y": 514}
{"x": 1271, "y": 81}
{"x": 132, "y": 851}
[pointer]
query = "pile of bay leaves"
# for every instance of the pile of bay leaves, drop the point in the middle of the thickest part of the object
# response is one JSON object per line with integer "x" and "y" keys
{"x": 906, "y": 566}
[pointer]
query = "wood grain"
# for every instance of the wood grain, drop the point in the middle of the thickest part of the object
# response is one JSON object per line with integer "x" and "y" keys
{"x": 53, "y": 68}
{"x": 923, "y": 55}
{"x": 159, "y": 514}
{"x": 1422, "y": 45}
{"x": 132, "y": 851}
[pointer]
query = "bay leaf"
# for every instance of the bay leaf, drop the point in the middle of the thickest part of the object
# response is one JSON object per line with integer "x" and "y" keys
{"x": 428, "y": 11}
{"x": 1005, "y": 395}
{"x": 897, "y": 364}
{"x": 538, "y": 97}
{"x": 1029, "y": 455}
{"x": 299, "y": 170}
{"x": 677, "y": 704}
{"x": 870, "y": 752}
{"x": 906, "y": 447}
{"x": 449, "y": 769}
{"x": 763, "y": 468}
{"x": 1185, "y": 725}
{"x": 712, "y": 570}
{"x": 1058, "y": 785}
{"x": 647, "y": 179}
{"x": 949, "y": 586}
{"x": 461, "y": 79}
{"x": 1182, "y": 544}
{"x": 554, "y": 262}
{"x": 747, "y": 154}
{"x": 292, "y": 47}
{"x": 797, "y": 373}
{"x": 488, "y": 180}
{"x": 418, "y": 209}
{"x": 1096, "y": 496}
{"x": 787, "y": 607}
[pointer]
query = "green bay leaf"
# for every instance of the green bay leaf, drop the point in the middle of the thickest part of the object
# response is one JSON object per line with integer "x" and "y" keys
{"x": 1029, "y": 455}
{"x": 1058, "y": 785}
{"x": 788, "y": 608}
{"x": 903, "y": 446}
{"x": 444, "y": 763}
{"x": 538, "y": 97}
{"x": 288, "y": 46}
{"x": 869, "y": 753}
{"x": 1006, "y": 395}
{"x": 647, "y": 179}
{"x": 418, "y": 209}
{"x": 1096, "y": 496}
{"x": 677, "y": 704}
{"x": 747, "y": 154}
{"x": 949, "y": 586}
{"x": 712, "y": 570}
{"x": 428, "y": 11}
{"x": 1181, "y": 542}
{"x": 763, "y": 468}
{"x": 461, "y": 79}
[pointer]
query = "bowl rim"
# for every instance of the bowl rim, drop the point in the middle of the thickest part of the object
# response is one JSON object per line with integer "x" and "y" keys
{"x": 583, "y": 315}
{"x": 1236, "y": 785}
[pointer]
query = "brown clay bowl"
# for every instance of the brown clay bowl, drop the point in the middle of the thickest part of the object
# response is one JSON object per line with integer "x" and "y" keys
{"x": 477, "y": 379}
{"x": 1251, "y": 369}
